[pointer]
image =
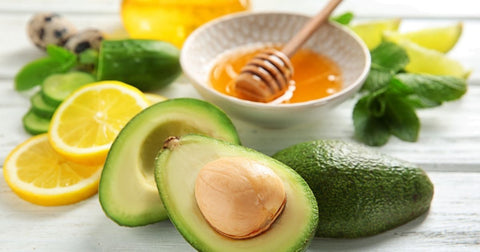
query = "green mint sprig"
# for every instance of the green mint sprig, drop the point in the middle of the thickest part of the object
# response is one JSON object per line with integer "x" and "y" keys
{"x": 390, "y": 97}
{"x": 58, "y": 60}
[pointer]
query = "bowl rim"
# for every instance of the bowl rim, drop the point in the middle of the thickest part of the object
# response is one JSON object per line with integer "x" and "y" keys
{"x": 356, "y": 84}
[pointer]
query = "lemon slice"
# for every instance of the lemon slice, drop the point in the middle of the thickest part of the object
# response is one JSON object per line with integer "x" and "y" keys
{"x": 424, "y": 60}
{"x": 372, "y": 32}
{"x": 38, "y": 174}
{"x": 441, "y": 39}
{"x": 155, "y": 98}
{"x": 86, "y": 123}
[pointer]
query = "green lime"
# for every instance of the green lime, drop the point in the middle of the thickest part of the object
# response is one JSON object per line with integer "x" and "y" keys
{"x": 429, "y": 61}
{"x": 441, "y": 39}
{"x": 371, "y": 32}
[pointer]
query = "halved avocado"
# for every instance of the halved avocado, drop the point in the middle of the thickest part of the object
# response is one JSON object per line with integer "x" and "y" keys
{"x": 127, "y": 190}
{"x": 176, "y": 170}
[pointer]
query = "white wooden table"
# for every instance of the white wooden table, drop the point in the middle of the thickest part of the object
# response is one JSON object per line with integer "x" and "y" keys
{"x": 448, "y": 147}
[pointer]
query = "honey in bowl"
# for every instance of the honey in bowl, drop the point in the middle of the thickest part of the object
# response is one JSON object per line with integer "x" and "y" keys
{"x": 315, "y": 75}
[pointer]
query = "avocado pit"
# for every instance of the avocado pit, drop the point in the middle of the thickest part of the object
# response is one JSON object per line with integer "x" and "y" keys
{"x": 239, "y": 197}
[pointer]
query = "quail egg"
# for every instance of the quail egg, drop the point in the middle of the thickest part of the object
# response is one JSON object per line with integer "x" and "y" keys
{"x": 83, "y": 40}
{"x": 49, "y": 28}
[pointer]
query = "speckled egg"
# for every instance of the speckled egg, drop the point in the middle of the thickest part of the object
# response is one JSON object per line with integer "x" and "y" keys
{"x": 83, "y": 40}
{"x": 49, "y": 28}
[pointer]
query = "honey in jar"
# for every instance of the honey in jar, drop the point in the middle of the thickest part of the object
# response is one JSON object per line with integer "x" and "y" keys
{"x": 173, "y": 20}
{"x": 315, "y": 75}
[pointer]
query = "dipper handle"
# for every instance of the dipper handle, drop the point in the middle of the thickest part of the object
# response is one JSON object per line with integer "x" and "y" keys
{"x": 309, "y": 28}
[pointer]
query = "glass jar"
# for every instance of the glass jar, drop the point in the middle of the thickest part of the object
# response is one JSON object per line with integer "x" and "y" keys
{"x": 173, "y": 20}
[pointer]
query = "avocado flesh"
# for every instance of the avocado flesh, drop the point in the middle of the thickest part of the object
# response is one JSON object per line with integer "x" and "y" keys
{"x": 176, "y": 171}
{"x": 360, "y": 192}
{"x": 127, "y": 190}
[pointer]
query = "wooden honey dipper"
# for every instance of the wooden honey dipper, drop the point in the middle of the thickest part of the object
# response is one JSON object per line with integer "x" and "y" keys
{"x": 267, "y": 76}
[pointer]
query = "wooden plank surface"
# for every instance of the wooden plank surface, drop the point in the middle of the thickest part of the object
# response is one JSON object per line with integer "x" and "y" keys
{"x": 448, "y": 147}
{"x": 452, "y": 224}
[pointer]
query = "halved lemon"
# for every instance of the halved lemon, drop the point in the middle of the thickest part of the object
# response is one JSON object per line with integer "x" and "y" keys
{"x": 38, "y": 174}
{"x": 85, "y": 125}
{"x": 371, "y": 32}
{"x": 441, "y": 39}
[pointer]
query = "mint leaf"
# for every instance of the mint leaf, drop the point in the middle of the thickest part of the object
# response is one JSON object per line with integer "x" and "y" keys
{"x": 61, "y": 54}
{"x": 396, "y": 87}
{"x": 391, "y": 97}
{"x": 344, "y": 18}
{"x": 431, "y": 87}
{"x": 389, "y": 56}
{"x": 370, "y": 128}
{"x": 35, "y": 72}
{"x": 377, "y": 79}
{"x": 421, "y": 102}
{"x": 376, "y": 103}
{"x": 89, "y": 56}
{"x": 401, "y": 119}
{"x": 378, "y": 115}
{"x": 59, "y": 60}
{"x": 87, "y": 60}
{"x": 387, "y": 59}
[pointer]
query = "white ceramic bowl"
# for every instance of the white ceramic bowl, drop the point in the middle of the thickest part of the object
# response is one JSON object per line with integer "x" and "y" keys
{"x": 202, "y": 48}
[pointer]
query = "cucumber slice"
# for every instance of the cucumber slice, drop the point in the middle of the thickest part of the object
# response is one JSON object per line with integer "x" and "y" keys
{"x": 35, "y": 124}
{"x": 57, "y": 87}
{"x": 40, "y": 107}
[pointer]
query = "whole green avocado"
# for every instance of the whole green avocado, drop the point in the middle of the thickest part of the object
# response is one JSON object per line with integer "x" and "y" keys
{"x": 360, "y": 192}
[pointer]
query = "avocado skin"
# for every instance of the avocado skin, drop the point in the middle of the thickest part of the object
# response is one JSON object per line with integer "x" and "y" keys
{"x": 360, "y": 192}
